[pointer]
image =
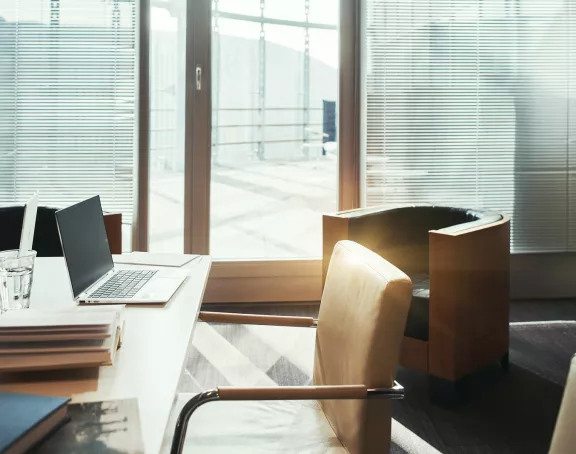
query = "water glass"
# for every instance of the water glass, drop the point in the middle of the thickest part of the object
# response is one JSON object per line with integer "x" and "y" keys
{"x": 16, "y": 271}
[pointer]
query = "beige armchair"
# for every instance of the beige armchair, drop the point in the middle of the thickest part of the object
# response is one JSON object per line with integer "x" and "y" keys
{"x": 358, "y": 336}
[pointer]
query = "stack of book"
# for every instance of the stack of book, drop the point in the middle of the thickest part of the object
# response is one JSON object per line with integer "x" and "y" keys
{"x": 85, "y": 336}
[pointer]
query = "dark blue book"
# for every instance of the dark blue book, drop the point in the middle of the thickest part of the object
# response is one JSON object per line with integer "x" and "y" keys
{"x": 26, "y": 419}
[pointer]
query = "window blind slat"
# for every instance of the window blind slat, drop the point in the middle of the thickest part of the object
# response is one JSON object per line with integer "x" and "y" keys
{"x": 471, "y": 103}
{"x": 67, "y": 101}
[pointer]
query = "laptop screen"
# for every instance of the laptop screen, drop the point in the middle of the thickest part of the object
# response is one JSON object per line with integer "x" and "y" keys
{"x": 84, "y": 243}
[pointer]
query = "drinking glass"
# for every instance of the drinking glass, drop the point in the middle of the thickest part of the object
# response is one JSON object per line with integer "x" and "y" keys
{"x": 16, "y": 271}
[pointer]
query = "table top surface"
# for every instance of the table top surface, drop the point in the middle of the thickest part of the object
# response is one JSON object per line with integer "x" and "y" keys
{"x": 148, "y": 365}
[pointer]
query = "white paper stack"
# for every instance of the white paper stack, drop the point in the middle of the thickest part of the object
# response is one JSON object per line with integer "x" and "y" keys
{"x": 85, "y": 336}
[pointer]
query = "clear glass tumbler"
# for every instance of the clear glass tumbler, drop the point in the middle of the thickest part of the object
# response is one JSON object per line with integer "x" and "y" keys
{"x": 16, "y": 271}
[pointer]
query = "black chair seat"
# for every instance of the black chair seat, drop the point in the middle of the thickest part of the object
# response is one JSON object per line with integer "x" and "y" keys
{"x": 418, "y": 316}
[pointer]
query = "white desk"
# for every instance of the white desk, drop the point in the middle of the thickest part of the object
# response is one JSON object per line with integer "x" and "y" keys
{"x": 148, "y": 365}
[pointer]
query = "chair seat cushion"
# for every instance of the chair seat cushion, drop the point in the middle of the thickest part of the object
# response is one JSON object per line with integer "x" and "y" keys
{"x": 418, "y": 316}
{"x": 273, "y": 427}
{"x": 260, "y": 427}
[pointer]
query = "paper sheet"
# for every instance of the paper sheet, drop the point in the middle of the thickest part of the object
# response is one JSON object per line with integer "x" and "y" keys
{"x": 145, "y": 258}
{"x": 28, "y": 224}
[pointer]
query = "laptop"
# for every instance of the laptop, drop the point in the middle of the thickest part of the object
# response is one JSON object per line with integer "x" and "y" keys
{"x": 93, "y": 276}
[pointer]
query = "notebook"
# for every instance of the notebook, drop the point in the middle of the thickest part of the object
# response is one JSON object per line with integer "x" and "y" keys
{"x": 31, "y": 419}
{"x": 80, "y": 337}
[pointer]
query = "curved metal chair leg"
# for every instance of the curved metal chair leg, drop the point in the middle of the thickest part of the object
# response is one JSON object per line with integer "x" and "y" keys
{"x": 184, "y": 417}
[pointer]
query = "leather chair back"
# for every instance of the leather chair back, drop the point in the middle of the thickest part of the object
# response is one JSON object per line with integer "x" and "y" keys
{"x": 46, "y": 239}
{"x": 360, "y": 329}
{"x": 401, "y": 235}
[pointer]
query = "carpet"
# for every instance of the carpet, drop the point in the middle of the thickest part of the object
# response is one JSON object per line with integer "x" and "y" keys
{"x": 511, "y": 412}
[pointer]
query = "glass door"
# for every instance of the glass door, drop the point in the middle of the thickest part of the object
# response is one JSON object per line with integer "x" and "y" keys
{"x": 167, "y": 89}
{"x": 274, "y": 152}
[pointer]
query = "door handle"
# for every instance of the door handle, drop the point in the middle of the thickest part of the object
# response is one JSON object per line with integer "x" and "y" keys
{"x": 198, "y": 78}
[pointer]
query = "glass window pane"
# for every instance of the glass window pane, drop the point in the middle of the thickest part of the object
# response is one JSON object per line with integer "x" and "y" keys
{"x": 167, "y": 94}
{"x": 293, "y": 10}
{"x": 274, "y": 153}
{"x": 247, "y": 7}
{"x": 67, "y": 102}
{"x": 324, "y": 12}
{"x": 468, "y": 104}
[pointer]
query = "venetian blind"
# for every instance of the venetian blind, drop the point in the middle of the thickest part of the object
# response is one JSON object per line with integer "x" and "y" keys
{"x": 472, "y": 104}
{"x": 67, "y": 101}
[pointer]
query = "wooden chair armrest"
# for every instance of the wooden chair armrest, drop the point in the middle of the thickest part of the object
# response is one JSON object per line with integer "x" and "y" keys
{"x": 464, "y": 229}
{"x": 251, "y": 319}
{"x": 325, "y": 392}
{"x": 344, "y": 226}
{"x": 293, "y": 392}
{"x": 469, "y": 299}
{"x": 365, "y": 211}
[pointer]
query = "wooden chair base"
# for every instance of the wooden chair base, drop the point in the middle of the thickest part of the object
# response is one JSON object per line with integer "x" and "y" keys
{"x": 450, "y": 394}
{"x": 414, "y": 354}
{"x": 444, "y": 392}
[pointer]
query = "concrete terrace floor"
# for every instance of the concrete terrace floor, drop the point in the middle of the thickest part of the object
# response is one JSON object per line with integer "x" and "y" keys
{"x": 259, "y": 209}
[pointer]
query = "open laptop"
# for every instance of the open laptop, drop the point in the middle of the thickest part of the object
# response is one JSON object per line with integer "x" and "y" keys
{"x": 93, "y": 276}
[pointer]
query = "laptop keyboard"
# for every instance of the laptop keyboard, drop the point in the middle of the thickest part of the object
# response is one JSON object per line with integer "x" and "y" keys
{"x": 124, "y": 284}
